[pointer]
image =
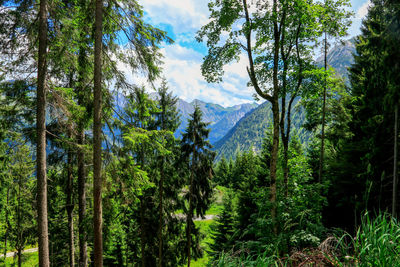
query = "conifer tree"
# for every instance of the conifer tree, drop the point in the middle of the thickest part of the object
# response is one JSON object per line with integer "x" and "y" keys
{"x": 166, "y": 120}
{"x": 198, "y": 157}
{"x": 223, "y": 229}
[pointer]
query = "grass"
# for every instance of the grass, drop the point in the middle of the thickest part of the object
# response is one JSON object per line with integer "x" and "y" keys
{"x": 377, "y": 242}
{"x": 204, "y": 229}
{"x": 215, "y": 209}
{"x": 28, "y": 260}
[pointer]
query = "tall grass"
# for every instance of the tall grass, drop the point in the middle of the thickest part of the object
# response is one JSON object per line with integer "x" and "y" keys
{"x": 226, "y": 260}
{"x": 377, "y": 242}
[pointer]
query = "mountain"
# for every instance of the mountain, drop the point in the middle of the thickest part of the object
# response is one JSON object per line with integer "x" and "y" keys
{"x": 340, "y": 57}
{"x": 249, "y": 131}
{"x": 221, "y": 119}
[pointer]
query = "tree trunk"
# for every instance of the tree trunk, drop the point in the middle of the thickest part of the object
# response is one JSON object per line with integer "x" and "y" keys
{"x": 97, "y": 179}
{"x": 273, "y": 164}
{"x": 161, "y": 190}
{"x": 160, "y": 210}
{"x": 395, "y": 174}
{"x": 273, "y": 99}
{"x": 82, "y": 60}
{"x": 19, "y": 252}
{"x": 43, "y": 236}
{"x": 189, "y": 218}
{"x": 275, "y": 112}
{"x": 19, "y": 231}
{"x": 70, "y": 209}
{"x": 7, "y": 224}
{"x": 82, "y": 201}
{"x": 321, "y": 157}
{"x": 142, "y": 232}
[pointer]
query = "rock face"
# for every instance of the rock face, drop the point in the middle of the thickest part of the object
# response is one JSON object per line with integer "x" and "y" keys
{"x": 340, "y": 57}
{"x": 221, "y": 119}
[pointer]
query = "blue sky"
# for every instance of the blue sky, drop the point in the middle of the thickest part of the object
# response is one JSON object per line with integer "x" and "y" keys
{"x": 182, "y": 60}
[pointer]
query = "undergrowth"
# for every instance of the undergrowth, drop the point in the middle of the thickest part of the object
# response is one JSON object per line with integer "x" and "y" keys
{"x": 376, "y": 243}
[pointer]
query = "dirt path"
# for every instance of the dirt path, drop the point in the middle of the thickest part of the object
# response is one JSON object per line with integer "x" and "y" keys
{"x": 11, "y": 254}
{"x": 206, "y": 217}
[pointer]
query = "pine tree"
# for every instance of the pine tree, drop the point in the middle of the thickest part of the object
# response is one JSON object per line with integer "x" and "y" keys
{"x": 223, "y": 229}
{"x": 167, "y": 119}
{"x": 222, "y": 173}
{"x": 198, "y": 157}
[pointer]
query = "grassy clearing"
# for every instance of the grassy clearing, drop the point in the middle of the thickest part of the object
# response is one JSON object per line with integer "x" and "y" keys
{"x": 28, "y": 260}
{"x": 204, "y": 229}
{"x": 215, "y": 209}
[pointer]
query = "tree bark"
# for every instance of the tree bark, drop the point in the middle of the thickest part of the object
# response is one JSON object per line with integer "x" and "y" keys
{"x": 273, "y": 99}
{"x": 97, "y": 179}
{"x": 43, "y": 236}
{"x": 19, "y": 253}
{"x": 7, "y": 224}
{"x": 395, "y": 174}
{"x": 160, "y": 219}
{"x": 189, "y": 218}
{"x": 19, "y": 232}
{"x": 82, "y": 59}
{"x": 322, "y": 152}
{"x": 70, "y": 209}
{"x": 275, "y": 112}
{"x": 161, "y": 190}
{"x": 142, "y": 232}
{"x": 82, "y": 201}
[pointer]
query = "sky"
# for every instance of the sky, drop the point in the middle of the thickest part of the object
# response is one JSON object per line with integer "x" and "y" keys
{"x": 181, "y": 19}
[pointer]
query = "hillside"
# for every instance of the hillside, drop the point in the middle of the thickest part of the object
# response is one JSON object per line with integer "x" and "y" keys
{"x": 340, "y": 57}
{"x": 250, "y": 131}
{"x": 221, "y": 119}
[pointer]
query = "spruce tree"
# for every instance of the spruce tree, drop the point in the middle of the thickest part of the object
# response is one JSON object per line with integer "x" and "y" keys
{"x": 199, "y": 158}
{"x": 223, "y": 229}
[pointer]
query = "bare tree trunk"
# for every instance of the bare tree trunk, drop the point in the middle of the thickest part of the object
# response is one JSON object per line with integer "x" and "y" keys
{"x": 395, "y": 174}
{"x": 321, "y": 157}
{"x": 70, "y": 209}
{"x": 43, "y": 236}
{"x": 97, "y": 179}
{"x": 82, "y": 201}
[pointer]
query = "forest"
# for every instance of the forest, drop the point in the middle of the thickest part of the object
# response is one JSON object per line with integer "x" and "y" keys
{"x": 101, "y": 169}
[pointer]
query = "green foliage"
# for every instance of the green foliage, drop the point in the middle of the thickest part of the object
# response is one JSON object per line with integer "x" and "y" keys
{"x": 198, "y": 161}
{"x": 250, "y": 131}
{"x": 17, "y": 196}
{"x": 361, "y": 167}
{"x": 376, "y": 242}
{"x": 223, "y": 229}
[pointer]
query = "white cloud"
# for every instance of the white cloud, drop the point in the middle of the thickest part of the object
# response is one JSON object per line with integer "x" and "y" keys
{"x": 363, "y": 10}
{"x": 182, "y": 69}
{"x": 183, "y": 16}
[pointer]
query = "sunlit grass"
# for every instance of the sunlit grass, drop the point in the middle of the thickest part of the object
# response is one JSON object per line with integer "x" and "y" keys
{"x": 28, "y": 260}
